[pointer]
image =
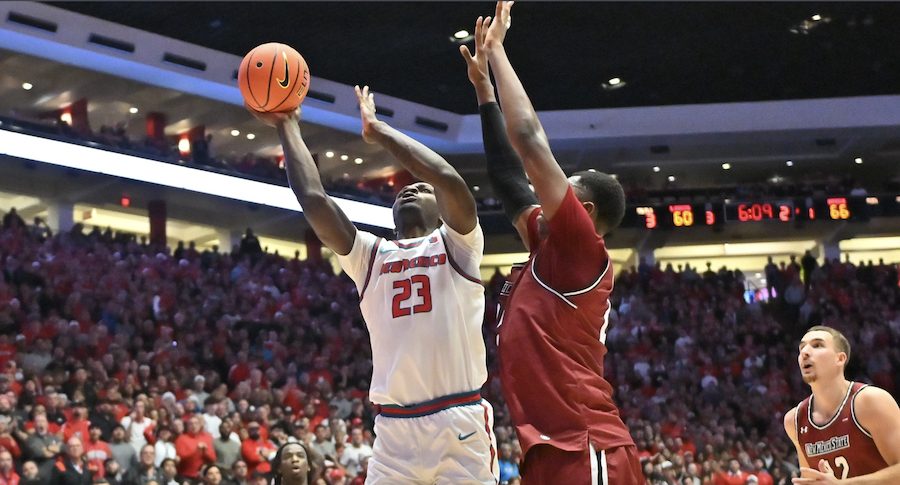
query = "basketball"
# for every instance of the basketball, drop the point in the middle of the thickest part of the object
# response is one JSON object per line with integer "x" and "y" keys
{"x": 273, "y": 77}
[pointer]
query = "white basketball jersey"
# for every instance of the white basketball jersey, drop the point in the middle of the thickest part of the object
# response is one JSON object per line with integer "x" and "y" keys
{"x": 424, "y": 307}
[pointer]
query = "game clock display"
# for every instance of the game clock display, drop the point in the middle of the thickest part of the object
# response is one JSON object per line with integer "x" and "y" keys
{"x": 785, "y": 210}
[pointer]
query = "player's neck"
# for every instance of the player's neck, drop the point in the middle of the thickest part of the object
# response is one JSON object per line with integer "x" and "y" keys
{"x": 412, "y": 231}
{"x": 829, "y": 395}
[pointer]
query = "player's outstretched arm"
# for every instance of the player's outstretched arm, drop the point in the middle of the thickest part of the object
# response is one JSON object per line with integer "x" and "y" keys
{"x": 328, "y": 221}
{"x": 455, "y": 202}
{"x": 878, "y": 413}
{"x": 522, "y": 124}
{"x": 504, "y": 167}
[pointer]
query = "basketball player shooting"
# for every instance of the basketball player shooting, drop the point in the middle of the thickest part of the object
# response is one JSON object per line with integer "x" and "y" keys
{"x": 849, "y": 430}
{"x": 552, "y": 331}
{"x": 423, "y": 305}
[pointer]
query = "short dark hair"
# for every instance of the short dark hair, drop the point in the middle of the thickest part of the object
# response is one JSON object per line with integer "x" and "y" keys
{"x": 607, "y": 195}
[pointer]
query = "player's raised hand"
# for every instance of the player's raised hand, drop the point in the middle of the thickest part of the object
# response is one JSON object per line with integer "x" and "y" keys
{"x": 496, "y": 32}
{"x": 823, "y": 476}
{"x": 477, "y": 62}
{"x": 273, "y": 119}
{"x": 367, "y": 112}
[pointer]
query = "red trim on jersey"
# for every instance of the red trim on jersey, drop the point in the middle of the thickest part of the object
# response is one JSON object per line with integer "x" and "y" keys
{"x": 487, "y": 427}
{"x": 430, "y": 407}
{"x": 410, "y": 245}
{"x": 456, "y": 266}
{"x": 371, "y": 264}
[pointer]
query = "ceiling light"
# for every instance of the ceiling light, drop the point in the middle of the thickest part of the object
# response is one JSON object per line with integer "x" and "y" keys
{"x": 329, "y": 154}
{"x": 184, "y": 146}
{"x": 344, "y": 157}
{"x": 790, "y": 163}
{"x": 758, "y": 275}
{"x": 476, "y": 188}
{"x": 358, "y": 161}
{"x": 614, "y": 83}
{"x": 671, "y": 178}
{"x": 132, "y": 110}
{"x": 250, "y": 136}
{"x": 235, "y": 132}
{"x": 591, "y": 170}
{"x": 26, "y": 86}
{"x": 615, "y": 176}
{"x": 656, "y": 169}
{"x": 817, "y": 17}
{"x": 462, "y": 34}
{"x": 726, "y": 166}
{"x": 858, "y": 161}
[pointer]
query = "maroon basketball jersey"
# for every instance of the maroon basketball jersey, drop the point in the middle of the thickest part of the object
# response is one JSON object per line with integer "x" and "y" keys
{"x": 846, "y": 445}
{"x": 551, "y": 348}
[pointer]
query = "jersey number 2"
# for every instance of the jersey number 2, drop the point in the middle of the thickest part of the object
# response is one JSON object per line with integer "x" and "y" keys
{"x": 845, "y": 467}
{"x": 423, "y": 289}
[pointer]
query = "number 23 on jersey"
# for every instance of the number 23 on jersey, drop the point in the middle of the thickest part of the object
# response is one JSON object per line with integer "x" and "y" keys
{"x": 402, "y": 307}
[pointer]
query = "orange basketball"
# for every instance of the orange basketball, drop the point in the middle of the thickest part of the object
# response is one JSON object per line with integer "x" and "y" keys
{"x": 273, "y": 77}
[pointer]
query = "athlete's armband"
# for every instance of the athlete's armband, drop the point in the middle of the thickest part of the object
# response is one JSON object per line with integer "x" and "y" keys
{"x": 504, "y": 167}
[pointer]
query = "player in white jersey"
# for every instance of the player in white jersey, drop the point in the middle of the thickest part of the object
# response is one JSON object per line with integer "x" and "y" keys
{"x": 423, "y": 304}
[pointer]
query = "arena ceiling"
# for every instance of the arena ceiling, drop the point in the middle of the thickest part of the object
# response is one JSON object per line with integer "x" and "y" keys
{"x": 665, "y": 53}
{"x": 679, "y": 63}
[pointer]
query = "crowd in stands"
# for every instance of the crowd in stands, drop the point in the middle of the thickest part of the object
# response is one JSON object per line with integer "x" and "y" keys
{"x": 154, "y": 367}
{"x": 193, "y": 367}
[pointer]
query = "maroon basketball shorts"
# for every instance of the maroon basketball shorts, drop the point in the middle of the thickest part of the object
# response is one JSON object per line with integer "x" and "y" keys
{"x": 546, "y": 465}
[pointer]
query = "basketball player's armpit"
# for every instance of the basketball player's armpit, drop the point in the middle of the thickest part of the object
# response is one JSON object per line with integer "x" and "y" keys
{"x": 504, "y": 167}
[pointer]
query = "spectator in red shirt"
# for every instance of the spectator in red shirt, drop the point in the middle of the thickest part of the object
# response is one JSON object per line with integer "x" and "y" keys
{"x": 361, "y": 478}
{"x": 96, "y": 450}
{"x": 78, "y": 425}
{"x": 195, "y": 448}
{"x": 256, "y": 450}
{"x": 7, "y": 442}
{"x": 762, "y": 475}
{"x": 7, "y": 350}
{"x": 8, "y": 476}
{"x": 734, "y": 475}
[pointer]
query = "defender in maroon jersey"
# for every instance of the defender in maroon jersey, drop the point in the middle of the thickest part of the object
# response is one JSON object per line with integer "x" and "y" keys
{"x": 552, "y": 331}
{"x": 849, "y": 430}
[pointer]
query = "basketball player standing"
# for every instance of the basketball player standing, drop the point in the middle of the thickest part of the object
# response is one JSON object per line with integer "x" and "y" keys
{"x": 850, "y": 431}
{"x": 552, "y": 332}
{"x": 423, "y": 305}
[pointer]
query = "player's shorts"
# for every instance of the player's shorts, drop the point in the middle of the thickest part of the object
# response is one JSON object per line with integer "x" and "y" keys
{"x": 449, "y": 440}
{"x": 547, "y": 465}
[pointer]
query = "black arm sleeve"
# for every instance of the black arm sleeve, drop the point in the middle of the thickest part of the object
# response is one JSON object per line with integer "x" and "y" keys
{"x": 504, "y": 167}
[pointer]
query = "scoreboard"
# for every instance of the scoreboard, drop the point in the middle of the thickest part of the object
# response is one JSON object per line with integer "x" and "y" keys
{"x": 773, "y": 211}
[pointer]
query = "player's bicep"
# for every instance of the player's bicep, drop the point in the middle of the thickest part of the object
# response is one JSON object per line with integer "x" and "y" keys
{"x": 879, "y": 414}
{"x": 549, "y": 181}
{"x": 791, "y": 430}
